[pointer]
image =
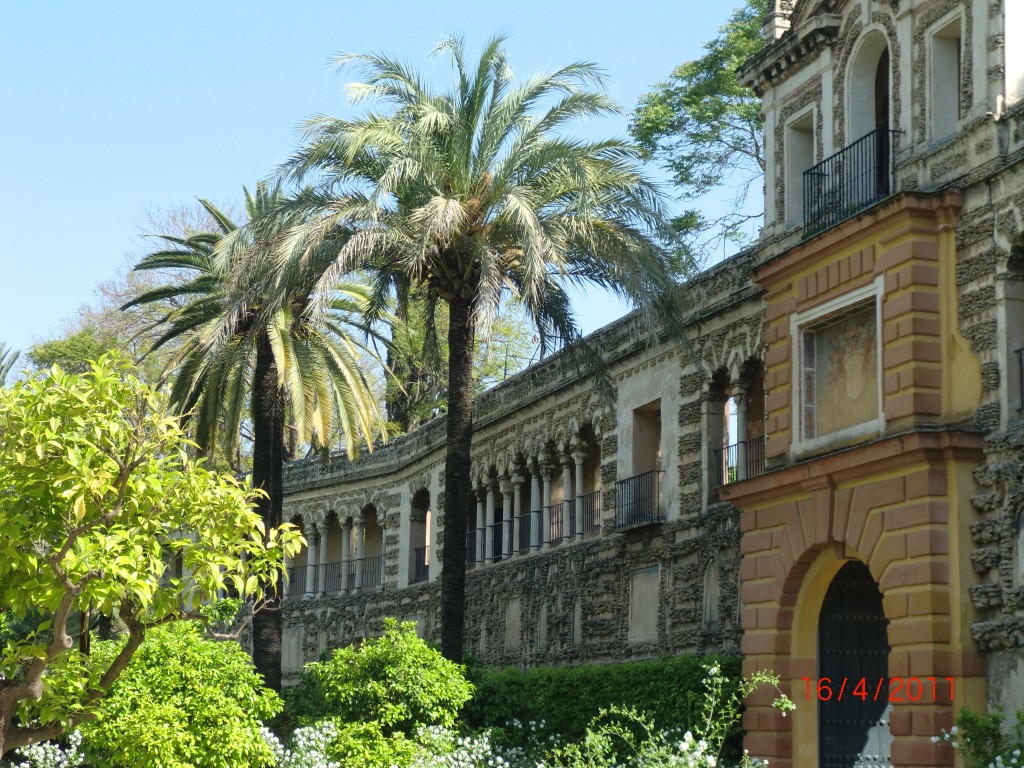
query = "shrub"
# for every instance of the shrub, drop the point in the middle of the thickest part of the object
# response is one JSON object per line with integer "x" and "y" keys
{"x": 395, "y": 681}
{"x": 669, "y": 691}
{"x": 183, "y": 702}
{"x": 985, "y": 741}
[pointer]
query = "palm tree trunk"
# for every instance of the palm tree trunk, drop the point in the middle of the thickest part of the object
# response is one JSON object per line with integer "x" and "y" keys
{"x": 457, "y": 477}
{"x": 267, "y": 461}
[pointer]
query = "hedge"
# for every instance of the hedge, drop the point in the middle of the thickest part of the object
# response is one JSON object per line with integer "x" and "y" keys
{"x": 567, "y": 698}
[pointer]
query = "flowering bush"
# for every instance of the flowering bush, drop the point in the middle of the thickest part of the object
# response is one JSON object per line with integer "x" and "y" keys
{"x": 49, "y": 754}
{"x": 616, "y": 737}
{"x": 984, "y": 741}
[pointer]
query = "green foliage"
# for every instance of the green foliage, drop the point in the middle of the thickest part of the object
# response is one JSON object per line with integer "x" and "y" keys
{"x": 8, "y": 359}
{"x": 984, "y": 740}
{"x": 418, "y": 390}
{"x": 221, "y": 317}
{"x": 396, "y": 681}
{"x": 567, "y": 698}
{"x": 99, "y": 493}
{"x": 73, "y": 352}
{"x": 366, "y": 745}
{"x": 705, "y": 128}
{"x": 183, "y": 702}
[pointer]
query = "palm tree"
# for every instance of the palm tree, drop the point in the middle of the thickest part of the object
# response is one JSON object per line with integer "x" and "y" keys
{"x": 8, "y": 359}
{"x": 243, "y": 353}
{"x": 472, "y": 195}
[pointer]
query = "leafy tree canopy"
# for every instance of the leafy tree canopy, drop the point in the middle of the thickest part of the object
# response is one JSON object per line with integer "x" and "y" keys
{"x": 98, "y": 494}
{"x": 418, "y": 389}
{"x": 706, "y": 130}
{"x": 396, "y": 681}
{"x": 185, "y": 701}
{"x": 74, "y": 351}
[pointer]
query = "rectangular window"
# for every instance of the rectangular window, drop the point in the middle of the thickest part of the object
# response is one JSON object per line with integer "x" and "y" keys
{"x": 840, "y": 372}
{"x": 837, "y": 369}
{"x": 944, "y": 94}
{"x": 799, "y": 158}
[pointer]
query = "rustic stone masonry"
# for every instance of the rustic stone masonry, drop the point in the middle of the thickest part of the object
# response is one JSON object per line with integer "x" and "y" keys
{"x": 604, "y": 594}
{"x": 826, "y": 475}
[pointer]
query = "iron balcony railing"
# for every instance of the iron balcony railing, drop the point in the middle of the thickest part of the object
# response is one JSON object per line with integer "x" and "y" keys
{"x": 525, "y": 523}
{"x": 471, "y": 538}
{"x": 421, "y": 568}
{"x": 372, "y": 571}
{"x": 296, "y": 580}
{"x": 336, "y": 579}
{"x": 730, "y": 461}
{"x": 497, "y": 539}
{"x": 638, "y": 501}
{"x": 558, "y": 512}
{"x": 855, "y": 178}
{"x": 592, "y": 512}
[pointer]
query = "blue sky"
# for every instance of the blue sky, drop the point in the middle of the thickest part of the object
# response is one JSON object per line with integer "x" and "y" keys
{"x": 111, "y": 110}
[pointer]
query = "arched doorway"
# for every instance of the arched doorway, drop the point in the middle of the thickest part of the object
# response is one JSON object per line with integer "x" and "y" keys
{"x": 853, "y": 654}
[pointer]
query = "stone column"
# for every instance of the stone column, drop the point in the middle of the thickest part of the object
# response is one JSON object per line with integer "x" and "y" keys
{"x": 488, "y": 537}
{"x": 382, "y": 523}
{"x": 742, "y": 400}
{"x": 360, "y": 527}
{"x": 547, "y": 472}
{"x": 478, "y": 527}
{"x": 311, "y": 559}
{"x": 579, "y": 457}
{"x": 517, "y": 510}
{"x": 506, "y": 509}
{"x": 291, "y": 576}
{"x": 321, "y": 586}
{"x": 346, "y": 551}
{"x": 535, "y": 511}
{"x": 568, "y": 502}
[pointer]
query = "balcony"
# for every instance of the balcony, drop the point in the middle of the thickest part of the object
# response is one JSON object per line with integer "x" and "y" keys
{"x": 638, "y": 501}
{"x": 851, "y": 180}
{"x": 422, "y": 564}
{"x": 739, "y": 461}
{"x": 592, "y": 512}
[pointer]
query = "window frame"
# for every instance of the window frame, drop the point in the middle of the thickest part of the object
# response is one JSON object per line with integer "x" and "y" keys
{"x": 806, "y": 321}
{"x": 793, "y": 196}
{"x": 936, "y": 32}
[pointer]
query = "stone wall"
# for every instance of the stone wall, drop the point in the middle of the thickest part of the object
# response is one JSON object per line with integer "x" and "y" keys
{"x": 608, "y": 596}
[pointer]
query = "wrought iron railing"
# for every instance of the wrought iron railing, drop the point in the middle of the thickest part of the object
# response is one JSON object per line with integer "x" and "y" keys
{"x": 421, "y": 564}
{"x": 730, "y": 460}
{"x": 855, "y": 178}
{"x": 336, "y": 579}
{"x": 638, "y": 501}
{"x": 592, "y": 512}
{"x": 557, "y": 525}
{"x": 296, "y": 580}
{"x": 372, "y": 571}
{"x": 497, "y": 534}
{"x": 525, "y": 523}
{"x": 471, "y": 538}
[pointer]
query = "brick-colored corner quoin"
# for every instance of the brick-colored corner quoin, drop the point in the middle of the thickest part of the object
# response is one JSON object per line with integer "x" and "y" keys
{"x": 909, "y": 242}
{"x": 894, "y": 504}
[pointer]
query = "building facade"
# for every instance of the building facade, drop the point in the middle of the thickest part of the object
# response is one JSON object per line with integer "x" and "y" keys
{"x": 826, "y": 476}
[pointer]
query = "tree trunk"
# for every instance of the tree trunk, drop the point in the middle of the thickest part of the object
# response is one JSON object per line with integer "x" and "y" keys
{"x": 457, "y": 477}
{"x": 267, "y": 461}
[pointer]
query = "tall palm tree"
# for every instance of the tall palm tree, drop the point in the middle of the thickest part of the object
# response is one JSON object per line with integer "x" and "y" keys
{"x": 243, "y": 352}
{"x": 470, "y": 195}
{"x": 8, "y": 359}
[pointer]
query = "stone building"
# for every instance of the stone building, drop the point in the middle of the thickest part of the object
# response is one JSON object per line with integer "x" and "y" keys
{"x": 826, "y": 477}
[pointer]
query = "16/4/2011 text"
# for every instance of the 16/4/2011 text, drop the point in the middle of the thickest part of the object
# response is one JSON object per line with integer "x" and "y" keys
{"x": 895, "y": 689}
